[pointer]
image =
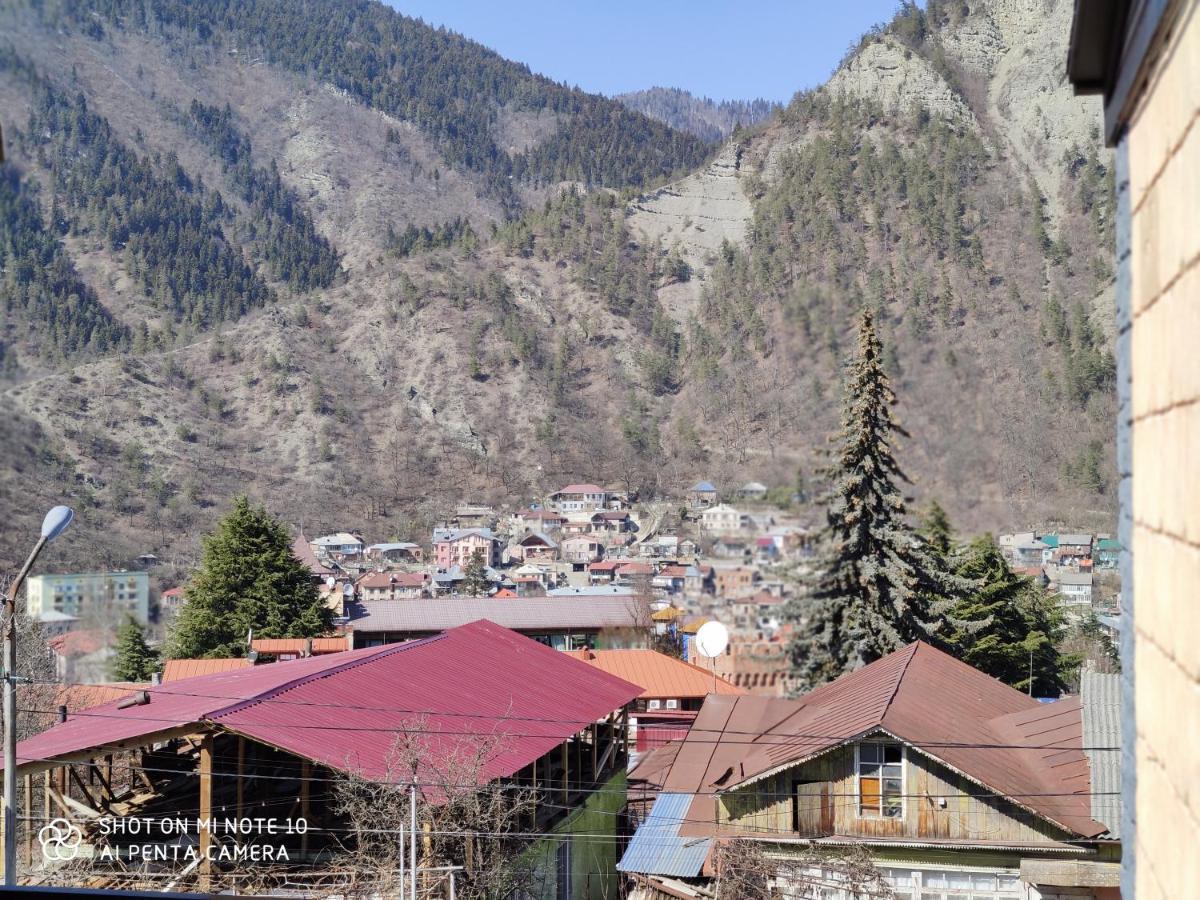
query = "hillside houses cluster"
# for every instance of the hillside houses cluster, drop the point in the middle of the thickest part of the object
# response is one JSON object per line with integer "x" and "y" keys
{"x": 577, "y": 570}
{"x": 1081, "y": 568}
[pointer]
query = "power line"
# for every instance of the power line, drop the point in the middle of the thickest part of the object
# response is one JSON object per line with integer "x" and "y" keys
{"x": 786, "y": 740}
{"x": 553, "y": 788}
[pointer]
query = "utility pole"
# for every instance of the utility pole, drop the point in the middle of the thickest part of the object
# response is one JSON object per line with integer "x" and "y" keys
{"x": 53, "y": 525}
{"x": 412, "y": 838}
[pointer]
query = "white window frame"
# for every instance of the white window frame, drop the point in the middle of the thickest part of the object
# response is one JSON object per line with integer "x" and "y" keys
{"x": 858, "y": 810}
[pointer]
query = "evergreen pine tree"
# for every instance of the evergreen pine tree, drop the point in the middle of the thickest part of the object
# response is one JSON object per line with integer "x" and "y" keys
{"x": 475, "y": 581}
{"x": 878, "y": 586}
{"x": 1008, "y": 624}
{"x": 936, "y": 530}
{"x": 135, "y": 661}
{"x": 249, "y": 579}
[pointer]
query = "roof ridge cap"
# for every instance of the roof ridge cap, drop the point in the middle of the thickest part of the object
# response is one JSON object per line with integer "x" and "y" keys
{"x": 386, "y": 650}
{"x": 912, "y": 648}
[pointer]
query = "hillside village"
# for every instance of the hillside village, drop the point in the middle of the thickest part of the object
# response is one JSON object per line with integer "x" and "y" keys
{"x": 575, "y": 570}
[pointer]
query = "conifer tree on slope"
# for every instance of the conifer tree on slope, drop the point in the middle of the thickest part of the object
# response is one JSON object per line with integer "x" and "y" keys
{"x": 249, "y": 579}
{"x": 878, "y": 586}
{"x": 135, "y": 661}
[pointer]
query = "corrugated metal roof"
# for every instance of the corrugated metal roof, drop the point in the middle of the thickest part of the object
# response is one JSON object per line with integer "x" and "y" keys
{"x": 346, "y": 710}
{"x": 1101, "y": 696}
{"x": 175, "y": 669}
{"x": 658, "y": 675}
{"x": 658, "y": 849}
{"x": 944, "y": 707}
{"x": 275, "y": 646}
{"x": 523, "y": 614}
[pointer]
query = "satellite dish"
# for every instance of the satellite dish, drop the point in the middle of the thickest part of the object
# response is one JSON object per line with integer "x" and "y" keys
{"x": 347, "y": 589}
{"x": 330, "y": 582}
{"x": 711, "y": 639}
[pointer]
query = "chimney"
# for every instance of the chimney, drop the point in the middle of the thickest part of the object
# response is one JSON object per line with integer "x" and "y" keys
{"x": 308, "y": 647}
{"x": 62, "y": 712}
{"x": 156, "y": 678}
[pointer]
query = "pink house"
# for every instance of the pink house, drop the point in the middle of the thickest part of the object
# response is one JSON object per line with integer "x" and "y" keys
{"x": 457, "y": 546}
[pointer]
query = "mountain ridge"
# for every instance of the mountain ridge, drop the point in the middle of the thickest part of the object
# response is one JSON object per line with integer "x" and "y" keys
{"x": 645, "y": 336}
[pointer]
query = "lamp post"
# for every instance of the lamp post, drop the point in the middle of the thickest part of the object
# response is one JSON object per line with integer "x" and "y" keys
{"x": 53, "y": 525}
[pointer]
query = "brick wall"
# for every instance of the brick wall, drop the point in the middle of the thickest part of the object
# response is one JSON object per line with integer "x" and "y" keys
{"x": 1160, "y": 346}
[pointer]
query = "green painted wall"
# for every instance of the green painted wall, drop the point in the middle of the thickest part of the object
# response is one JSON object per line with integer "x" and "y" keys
{"x": 592, "y": 830}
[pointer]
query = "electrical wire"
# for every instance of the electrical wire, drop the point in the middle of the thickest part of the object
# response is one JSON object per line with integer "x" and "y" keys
{"x": 495, "y": 718}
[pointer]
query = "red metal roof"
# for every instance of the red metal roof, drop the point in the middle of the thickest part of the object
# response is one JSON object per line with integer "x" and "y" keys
{"x": 942, "y": 706}
{"x": 346, "y": 710}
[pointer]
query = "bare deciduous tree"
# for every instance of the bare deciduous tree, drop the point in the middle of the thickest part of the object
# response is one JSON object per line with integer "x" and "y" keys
{"x": 463, "y": 819}
{"x": 747, "y": 872}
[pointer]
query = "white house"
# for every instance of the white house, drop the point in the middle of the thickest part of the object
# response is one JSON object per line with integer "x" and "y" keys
{"x": 722, "y": 519}
{"x": 579, "y": 498}
{"x": 343, "y": 542}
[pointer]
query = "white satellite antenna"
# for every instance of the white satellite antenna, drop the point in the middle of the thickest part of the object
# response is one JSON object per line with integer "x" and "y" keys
{"x": 711, "y": 640}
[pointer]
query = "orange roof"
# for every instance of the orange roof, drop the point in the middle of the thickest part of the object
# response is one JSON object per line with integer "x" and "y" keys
{"x": 296, "y": 645}
{"x": 658, "y": 675}
{"x": 175, "y": 669}
{"x": 505, "y": 593}
{"x": 666, "y": 614}
{"x": 79, "y": 643}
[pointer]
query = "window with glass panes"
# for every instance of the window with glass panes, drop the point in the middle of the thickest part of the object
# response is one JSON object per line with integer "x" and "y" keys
{"x": 881, "y": 780}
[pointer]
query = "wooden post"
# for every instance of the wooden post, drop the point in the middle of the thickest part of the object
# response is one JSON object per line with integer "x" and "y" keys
{"x": 566, "y": 782}
{"x": 625, "y": 733}
{"x": 305, "y": 776}
{"x": 206, "y": 811}
{"x": 29, "y": 822}
{"x": 241, "y": 765}
{"x": 594, "y": 730}
{"x": 534, "y": 804}
{"x": 47, "y": 785}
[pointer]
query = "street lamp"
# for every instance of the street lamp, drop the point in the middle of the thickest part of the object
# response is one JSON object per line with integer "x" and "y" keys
{"x": 53, "y": 525}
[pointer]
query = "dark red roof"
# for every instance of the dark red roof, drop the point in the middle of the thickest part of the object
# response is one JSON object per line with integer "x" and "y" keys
{"x": 943, "y": 707}
{"x": 346, "y": 710}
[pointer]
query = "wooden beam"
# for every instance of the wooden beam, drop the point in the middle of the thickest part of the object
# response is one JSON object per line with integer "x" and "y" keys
{"x": 83, "y": 756}
{"x": 566, "y": 782}
{"x": 83, "y": 788}
{"x": 594, "y": 731}
{"x": 29, "y": 822}
{"x": 206, "y": 811}
{"x": 241, "y": 765}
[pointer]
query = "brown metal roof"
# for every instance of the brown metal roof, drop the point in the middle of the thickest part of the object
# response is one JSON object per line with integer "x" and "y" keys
{"x": 943, "y": 707}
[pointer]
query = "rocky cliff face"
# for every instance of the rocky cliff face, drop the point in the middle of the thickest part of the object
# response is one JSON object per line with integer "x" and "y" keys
{"x": 570, "y": 345}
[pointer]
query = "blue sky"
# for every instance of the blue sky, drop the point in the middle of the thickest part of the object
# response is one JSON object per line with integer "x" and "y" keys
{"x": 725, "y": 50}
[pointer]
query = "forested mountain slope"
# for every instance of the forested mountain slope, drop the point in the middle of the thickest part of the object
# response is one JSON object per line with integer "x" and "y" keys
{"x": 371, "y": 268}
{"x": 708, "y": 119}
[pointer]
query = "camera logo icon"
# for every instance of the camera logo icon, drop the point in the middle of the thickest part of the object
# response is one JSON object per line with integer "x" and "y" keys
{"x": 60, "y": 840}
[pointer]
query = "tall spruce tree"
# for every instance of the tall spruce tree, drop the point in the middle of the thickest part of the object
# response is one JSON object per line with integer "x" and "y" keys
{"x": 1008, "y": 626}
{"x": 878, "y": 586}
{"x": 135, "y": 661}
{"x": 249, "y": 579}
